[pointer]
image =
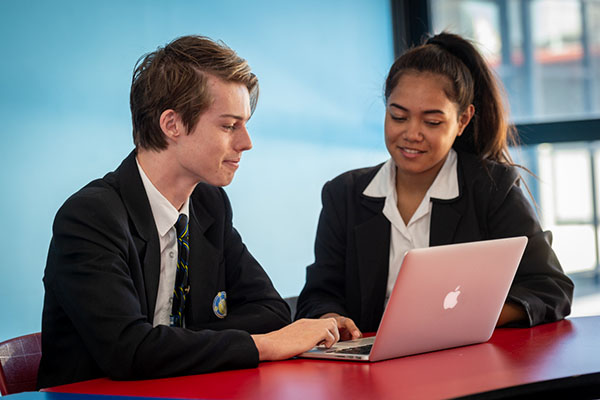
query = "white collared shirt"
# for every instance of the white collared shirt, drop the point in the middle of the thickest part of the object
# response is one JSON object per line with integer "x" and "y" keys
{"x": 165, "y": 216}
{"x": 415, "y": 234}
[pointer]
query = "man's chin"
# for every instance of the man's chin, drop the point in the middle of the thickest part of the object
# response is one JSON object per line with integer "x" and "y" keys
{"x": 222, "y": 182}
{"x": 219, "y": 180}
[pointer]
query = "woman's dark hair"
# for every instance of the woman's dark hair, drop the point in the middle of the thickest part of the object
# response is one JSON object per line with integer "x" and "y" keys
{"x": 489, "y": 133}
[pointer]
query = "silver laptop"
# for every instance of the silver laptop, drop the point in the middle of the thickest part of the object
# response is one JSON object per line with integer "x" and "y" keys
{"x": 444, "y": 296}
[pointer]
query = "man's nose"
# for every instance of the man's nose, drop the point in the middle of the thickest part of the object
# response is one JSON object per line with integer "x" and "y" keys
{"x": 242, "y": 140}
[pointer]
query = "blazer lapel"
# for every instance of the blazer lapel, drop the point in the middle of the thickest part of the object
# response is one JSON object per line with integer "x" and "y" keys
{"x": 446, "y": 214}
{"x": 145, "y": 235}
{"x": 373, "y": 249}
{"x": 203, "y": 263}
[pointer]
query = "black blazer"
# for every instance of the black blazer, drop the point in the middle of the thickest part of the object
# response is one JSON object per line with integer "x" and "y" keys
{"x": 101, "y": 282}
{"x": 349, "y": 275}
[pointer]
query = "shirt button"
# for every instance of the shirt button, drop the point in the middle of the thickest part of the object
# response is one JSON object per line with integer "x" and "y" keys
{"x": 171, "y": 254}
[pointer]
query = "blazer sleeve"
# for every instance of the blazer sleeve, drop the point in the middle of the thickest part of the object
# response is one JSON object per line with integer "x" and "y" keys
{"x": 324, "y": 290}
{"x": 253, "y": 304}
{"x": 91, "y": 276}
{"x": 540, "y": 285}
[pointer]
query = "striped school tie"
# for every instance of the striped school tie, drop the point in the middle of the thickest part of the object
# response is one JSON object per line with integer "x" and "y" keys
{"x": 181, "y": 278}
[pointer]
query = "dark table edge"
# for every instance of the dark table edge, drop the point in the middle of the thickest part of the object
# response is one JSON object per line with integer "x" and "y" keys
{"x": 586, "y": 386}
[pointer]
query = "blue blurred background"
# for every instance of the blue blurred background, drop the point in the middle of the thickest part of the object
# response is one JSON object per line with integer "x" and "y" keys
{"x": 64, "y": 81}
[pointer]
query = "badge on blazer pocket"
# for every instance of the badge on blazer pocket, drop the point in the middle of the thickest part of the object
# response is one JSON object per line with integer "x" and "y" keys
{"x": 220, "y": 304}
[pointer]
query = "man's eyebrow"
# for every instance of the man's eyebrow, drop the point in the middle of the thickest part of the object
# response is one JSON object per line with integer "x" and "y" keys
{"x": 433, "y": 111}
{"x": 238, "y": 117}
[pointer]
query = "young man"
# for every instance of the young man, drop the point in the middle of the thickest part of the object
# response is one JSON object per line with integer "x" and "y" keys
{"x": 131, "y": 296}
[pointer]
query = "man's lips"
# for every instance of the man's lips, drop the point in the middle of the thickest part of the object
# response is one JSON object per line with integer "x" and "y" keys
{"x": 233, "y": 162}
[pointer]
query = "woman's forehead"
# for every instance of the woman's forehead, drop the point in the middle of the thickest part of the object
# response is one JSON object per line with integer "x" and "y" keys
{"x": 424, "y": 88}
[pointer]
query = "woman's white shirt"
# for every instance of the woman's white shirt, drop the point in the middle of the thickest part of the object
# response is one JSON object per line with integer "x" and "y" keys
{"x": 415, "y": 234}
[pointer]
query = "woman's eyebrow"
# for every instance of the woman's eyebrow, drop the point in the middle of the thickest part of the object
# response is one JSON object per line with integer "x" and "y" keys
{"x": 398, "y": 106}
{"x": 432, "y": 111}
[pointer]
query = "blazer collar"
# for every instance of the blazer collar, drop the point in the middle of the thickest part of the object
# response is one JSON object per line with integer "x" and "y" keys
{"x": 200, "y": 216}
{"x": 446, "y": 214}
{"x": 135, "y": 198}
{"x": 145, "y": 235}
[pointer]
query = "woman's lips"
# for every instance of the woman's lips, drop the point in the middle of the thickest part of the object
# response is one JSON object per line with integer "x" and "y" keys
{"x": 410, "y": 153}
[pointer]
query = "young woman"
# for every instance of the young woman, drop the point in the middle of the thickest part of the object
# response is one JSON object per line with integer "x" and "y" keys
{"x": 450, "y": 179}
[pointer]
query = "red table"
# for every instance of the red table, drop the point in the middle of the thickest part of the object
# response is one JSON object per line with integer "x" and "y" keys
{"x": 554, "y": 356}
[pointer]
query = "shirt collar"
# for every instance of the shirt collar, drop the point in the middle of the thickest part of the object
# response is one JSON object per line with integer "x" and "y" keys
{"x": 444, "y": 187}
{"x": 165, "y": 214}
{"x": 383, "y": 183}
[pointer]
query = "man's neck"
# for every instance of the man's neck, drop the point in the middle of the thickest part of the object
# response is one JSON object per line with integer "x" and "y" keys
{"x": 165, "y": 176}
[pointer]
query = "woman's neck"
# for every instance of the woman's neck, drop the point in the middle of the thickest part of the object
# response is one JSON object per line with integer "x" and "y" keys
{"x": 411, "y": 189}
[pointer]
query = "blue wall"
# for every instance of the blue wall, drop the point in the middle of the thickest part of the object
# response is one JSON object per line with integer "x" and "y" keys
{"x": 64, "y": 85}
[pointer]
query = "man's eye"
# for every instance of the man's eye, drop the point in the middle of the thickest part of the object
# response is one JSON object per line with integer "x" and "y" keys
{"x": 433, "y": 123}
{"x": 229, "y": 127}
{"x": 400, "y": 119}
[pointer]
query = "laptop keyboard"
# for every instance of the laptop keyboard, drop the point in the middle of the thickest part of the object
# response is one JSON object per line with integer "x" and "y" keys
{"x": 366, "y": 349}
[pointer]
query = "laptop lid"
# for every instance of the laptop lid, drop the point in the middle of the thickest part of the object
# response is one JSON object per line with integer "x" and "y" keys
{"x": 444, "y": 296}
{"x": 447, "y": 296}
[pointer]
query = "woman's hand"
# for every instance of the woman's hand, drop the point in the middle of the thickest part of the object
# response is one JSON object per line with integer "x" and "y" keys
{"x": 511, "y": 312}
{"x": 346, "y": 326}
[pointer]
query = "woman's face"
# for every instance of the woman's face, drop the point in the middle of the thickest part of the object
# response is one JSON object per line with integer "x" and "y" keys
{"x": 421, "y": 124}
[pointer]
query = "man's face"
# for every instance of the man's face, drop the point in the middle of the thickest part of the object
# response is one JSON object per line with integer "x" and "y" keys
{"x": 212, "y": 150}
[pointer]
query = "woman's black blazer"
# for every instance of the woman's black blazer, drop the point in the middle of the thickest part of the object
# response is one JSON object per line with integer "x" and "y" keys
{"x": 349, "y": 275}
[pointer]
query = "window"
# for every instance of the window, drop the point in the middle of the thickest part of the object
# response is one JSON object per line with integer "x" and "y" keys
{"x": 547, "y": 54}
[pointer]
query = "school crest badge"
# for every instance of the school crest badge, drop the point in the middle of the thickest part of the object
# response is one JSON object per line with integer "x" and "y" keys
{"x": 220, "y": 304}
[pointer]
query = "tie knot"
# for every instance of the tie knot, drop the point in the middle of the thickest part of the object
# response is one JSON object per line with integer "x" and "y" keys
{"x": 181, "y": 224}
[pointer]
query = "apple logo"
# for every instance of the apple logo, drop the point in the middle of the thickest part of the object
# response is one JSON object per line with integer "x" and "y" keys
{"x": 451, "y": 298}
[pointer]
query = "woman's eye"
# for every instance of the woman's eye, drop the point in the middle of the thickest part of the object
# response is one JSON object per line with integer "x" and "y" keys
{"x": 433, "y": 123}
{"x": 395, "y": 118}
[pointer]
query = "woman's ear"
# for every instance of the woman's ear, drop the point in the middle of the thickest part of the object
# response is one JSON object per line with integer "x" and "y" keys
{"x": 465, "y": 118}
{"x": 171, "y": 124}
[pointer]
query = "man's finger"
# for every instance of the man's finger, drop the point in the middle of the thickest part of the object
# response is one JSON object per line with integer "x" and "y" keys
{"x": 334, "y": 330}
{"x": 329, "y": 339}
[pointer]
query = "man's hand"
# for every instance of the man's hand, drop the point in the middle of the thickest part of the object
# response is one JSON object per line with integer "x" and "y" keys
{"x": 296, "y": 338}
{"x": 346, "y": 326}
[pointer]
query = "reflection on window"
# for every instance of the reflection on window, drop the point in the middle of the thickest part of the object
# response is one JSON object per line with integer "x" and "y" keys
{"x": 547, "y": 52}
{"x": 565, "y": 198}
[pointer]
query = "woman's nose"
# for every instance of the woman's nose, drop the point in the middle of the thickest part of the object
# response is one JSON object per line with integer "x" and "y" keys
{"x": 413, "y": 132}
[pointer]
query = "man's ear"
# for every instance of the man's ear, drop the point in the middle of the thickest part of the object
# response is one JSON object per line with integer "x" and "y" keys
{"x": 171, "y": 124}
